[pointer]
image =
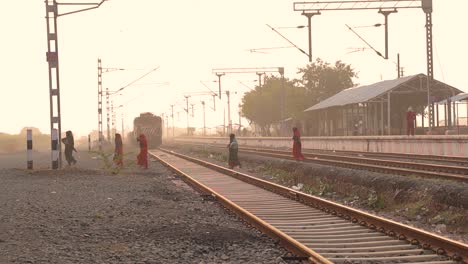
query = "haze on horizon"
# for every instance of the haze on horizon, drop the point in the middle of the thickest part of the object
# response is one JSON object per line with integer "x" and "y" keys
{"x": 188, "y": 39}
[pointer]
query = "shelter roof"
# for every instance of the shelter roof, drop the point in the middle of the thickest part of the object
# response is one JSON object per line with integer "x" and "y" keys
{"x": 365, "y": 93}
{"x": 456, "y": 98}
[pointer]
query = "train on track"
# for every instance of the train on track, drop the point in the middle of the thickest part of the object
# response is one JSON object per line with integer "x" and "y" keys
{"x": 151, "y": 126}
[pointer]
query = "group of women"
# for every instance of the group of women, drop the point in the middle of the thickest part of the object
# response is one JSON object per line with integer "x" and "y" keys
{"x": 142, "y": 157}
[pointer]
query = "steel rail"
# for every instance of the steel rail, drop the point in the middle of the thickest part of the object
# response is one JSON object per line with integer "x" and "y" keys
{"x": 436, "y": 158}
{"x": 443, "y": 246}
{"x": 285, "y": 240}
{"x": 386, "y": 166}
{"x": 453, "y": 170}
{"x": 452, "y": 159}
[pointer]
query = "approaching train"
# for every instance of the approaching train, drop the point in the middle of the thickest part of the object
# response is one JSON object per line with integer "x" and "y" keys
{"x": 150, "y": 125}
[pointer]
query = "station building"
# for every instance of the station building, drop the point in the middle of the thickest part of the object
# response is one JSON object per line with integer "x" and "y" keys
{"x": 380, "y": 109}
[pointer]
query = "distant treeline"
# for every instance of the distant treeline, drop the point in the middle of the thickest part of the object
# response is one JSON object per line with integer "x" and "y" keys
{"x": 16, "y": 143}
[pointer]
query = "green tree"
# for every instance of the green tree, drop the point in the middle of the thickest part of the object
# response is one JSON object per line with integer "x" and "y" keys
{"x": 322, "y": 80}
{"x": 319, "y": 81}
{"x": 263, "y": 105}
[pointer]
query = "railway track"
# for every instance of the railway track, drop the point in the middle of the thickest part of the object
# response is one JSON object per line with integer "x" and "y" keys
{"x": 314, "y": 229}
{"x": 451, "y": 172}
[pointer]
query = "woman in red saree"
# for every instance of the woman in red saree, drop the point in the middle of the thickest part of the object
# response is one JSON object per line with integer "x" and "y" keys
{"x": 118, "y": 152}
{"x": 297, "y": 146}
{"x": 142, "y": 158}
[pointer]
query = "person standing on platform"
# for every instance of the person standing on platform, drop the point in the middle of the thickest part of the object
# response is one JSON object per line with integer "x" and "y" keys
{"x": 69, "y": 143}
{"x": 297, "y": 145}
{"x": 233, "y": 159}
{"x": 118, "y": 152}
{"x": 142, "y": 158}
{"x": 410, "y": 121}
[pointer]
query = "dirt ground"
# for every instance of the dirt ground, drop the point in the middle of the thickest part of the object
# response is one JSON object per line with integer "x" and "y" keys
{"x": 437, "y": 206}
{"x": 88, "y": 214}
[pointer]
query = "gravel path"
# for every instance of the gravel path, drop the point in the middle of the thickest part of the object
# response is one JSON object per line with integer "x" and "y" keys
{"x": 86, "y": 214}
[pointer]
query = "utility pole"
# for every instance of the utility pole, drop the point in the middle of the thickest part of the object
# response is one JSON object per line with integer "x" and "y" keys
{"x": 100, "y": 104}
{"x": 309, "y": 24}
{"x": 280, "y": 70}
{"x": 283, "y": 94}
{"x": 113, "y": 121}
{"x": 214, "y": 102}
{"x": 386, "y": 14}
{"x": 260, "y": 78}
{"x": 52, "y": 58}
{"x": 193, "y": 113}
{"x": 240, "y": 117}
{"x": 229, "y": 112}
{"x": 427, "y": 8}
{"x": 167, "y": 126}
{"x": 172, "y": 115}
{"x": 187, "y": 110}
{"x": 108, "y": 112}
{"x": 204, "y": 124}
{"x": 398, "y": 65}
{"x": 219, "y": 74}
{"x": 102, "y": 70}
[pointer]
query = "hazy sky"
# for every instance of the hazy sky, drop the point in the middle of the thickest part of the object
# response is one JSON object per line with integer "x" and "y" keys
{"x": 187, "y": 39}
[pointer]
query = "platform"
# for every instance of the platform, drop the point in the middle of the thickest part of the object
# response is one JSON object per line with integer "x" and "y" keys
{"x": 443, "y": 145}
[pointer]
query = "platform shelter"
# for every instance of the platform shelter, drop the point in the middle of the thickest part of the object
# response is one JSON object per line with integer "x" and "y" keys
{"x": 379, "y": 108}
{"x": 453, "y": 112}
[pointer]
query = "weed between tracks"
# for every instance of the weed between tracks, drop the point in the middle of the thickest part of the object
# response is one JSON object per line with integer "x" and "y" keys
{"x": 108, "y": 165}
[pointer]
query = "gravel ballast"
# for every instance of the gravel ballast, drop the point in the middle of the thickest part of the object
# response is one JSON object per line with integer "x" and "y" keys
{"x": 87, "y": 214}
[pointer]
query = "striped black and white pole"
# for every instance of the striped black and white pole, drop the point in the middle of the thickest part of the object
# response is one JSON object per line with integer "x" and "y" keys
{"x": 55, "y": 149}
{"x": 29, "y": 146}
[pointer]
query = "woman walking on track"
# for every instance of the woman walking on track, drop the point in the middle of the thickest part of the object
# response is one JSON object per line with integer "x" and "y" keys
{"x": 142, "y": 158}
{"x": 233, "y": 159}
{"x": 118, "y": 152}
{"x": 297, "y": 146}
{"x": 69, "y": 147}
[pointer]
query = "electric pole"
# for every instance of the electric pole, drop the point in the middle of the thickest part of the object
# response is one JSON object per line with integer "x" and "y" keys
{"x": 229, "y": 112}
{"x": 172, "y": 115}
{"x": 52, "y": 59}
{"x": 260, "y": 78}
{"x": 108, "y": 114}
{"x": 219, "y": 74}
{"x": 240, "y": 120}
{"x": 187, "y": 111}
{"x": 204, "y": 124}
{"x": 309, "y": 23}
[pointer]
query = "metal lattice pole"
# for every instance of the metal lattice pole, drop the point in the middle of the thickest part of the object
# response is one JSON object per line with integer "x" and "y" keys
{"x": 100, "y": 104}
{"x": 54, "y": 80}
{"x": 108, "y": 114}
{"x": 427, "y": 8}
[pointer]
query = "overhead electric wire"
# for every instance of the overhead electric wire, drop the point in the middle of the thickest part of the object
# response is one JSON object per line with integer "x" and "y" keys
{"x": 288, "y": 40}
{"x": 208, "y": 88}
{"x": 257, "y": 49}
{"x": 144, "y": 75}
{"x": 378, "y": 53}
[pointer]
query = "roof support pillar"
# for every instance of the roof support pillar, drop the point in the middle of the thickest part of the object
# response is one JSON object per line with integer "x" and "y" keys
{"x": 389, "y": 120}
{"x": 382, "y": 132}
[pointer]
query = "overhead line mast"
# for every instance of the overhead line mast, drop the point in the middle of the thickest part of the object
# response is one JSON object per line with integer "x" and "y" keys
{"x": 52, "y": 14}
{"x": 385, "y": 7}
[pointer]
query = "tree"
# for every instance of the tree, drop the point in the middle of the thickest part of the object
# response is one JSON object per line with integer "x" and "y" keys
{"x": 263, "y": 105}
{"x": 321, "y": 80}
